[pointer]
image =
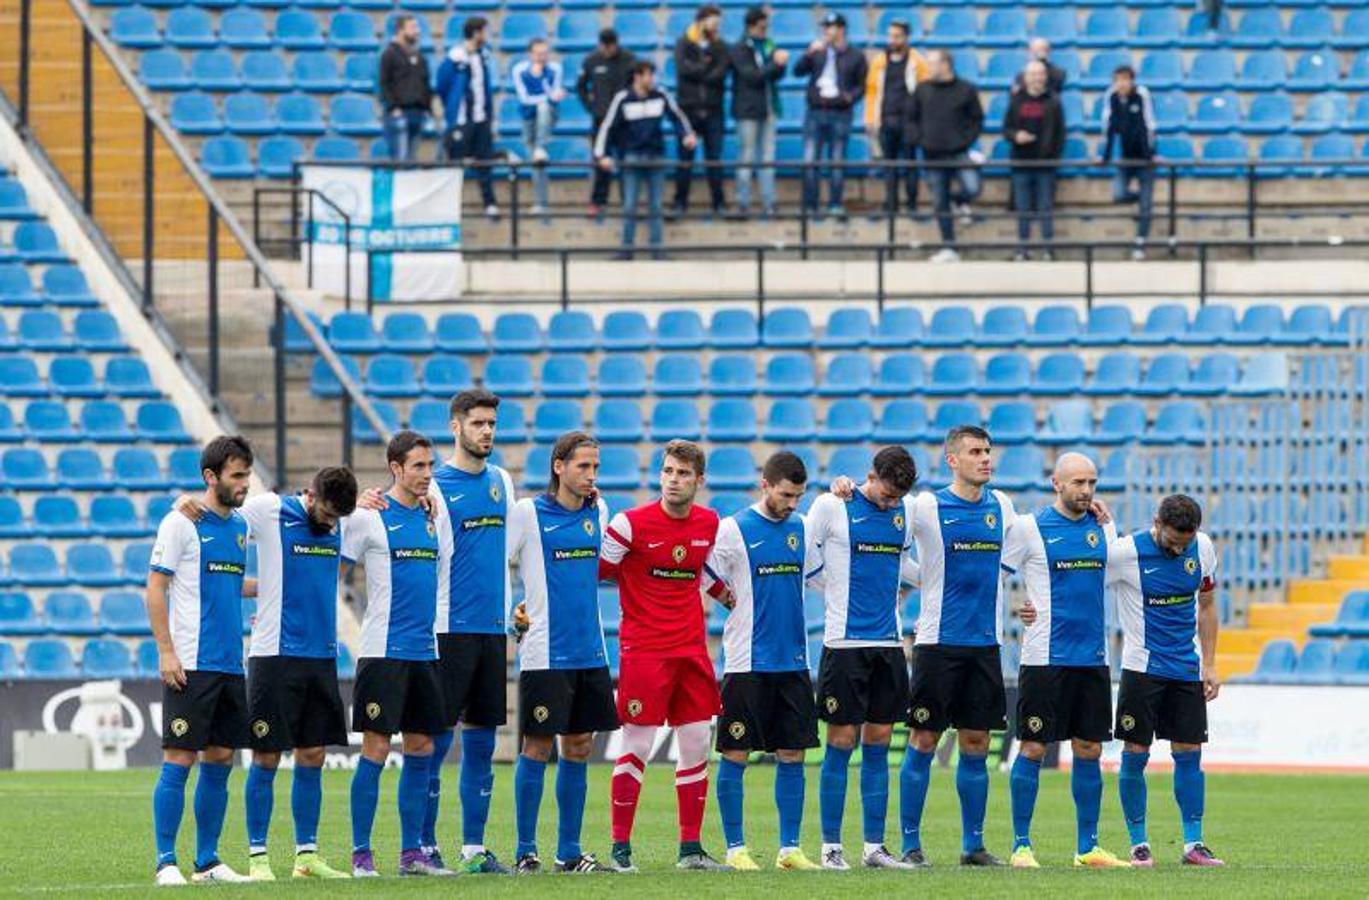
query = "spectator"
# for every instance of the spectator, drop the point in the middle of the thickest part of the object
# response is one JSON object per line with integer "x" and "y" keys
{"x": 889, "y": 87}
{"x": 836, "y": 79}
{"x": 1213, "y": 8}
{"x": 1040, "y": 49}
{"x": 701, "y": 63}
{"x": 604, "y": 74}
{"x": 757, "y": 66}
{"x": 537, "y": 81}
{"x": 945, "y": 119}
{"x": 1035, "y": 126}
{"x": 404, "y": 92}
{"x": 1129, "y": 117}
{"x": 465, "y": 81}
{"x": 633, "y": 130}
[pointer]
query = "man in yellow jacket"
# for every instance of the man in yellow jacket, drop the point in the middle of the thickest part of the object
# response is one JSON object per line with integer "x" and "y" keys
{"x": 893, "y": 75}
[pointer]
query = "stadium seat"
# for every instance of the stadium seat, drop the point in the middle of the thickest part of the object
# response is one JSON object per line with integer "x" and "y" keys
{"x": 1212, "y": 70}
{"x": 91, "y": 565}
{"x": 1067, "y": 422}
{"x": 1006, "y": 374}
{"x": 49, "y": 421}
{"x": 1352, "y": 618}
{"x": 431, "y": 418}
{"x": 509, "y": 376}
{"x": 1098, "y": 76}
{"x": 12, "y": 521}
{"x": 190, "y": 28}
{"x": 1269, "y": 114}
{"x": 732, "y": 420}
{"x": 19, "y": 377}
{"x": 790, "y": 420}
{"x": 1224, "y": 149}
{"x": 1116, "y": 374}
{"x": 297, "y": 29}
{"x": 626, "y": 330}
{"x": 1003, "y": 326}
{"x": 1165, "y": 324}
{"x": 1261, "y": 323}
{"x": 636, "y": 29}
{"x": 105, "y": 658}
{"x": 619, "y": 469}
{"x": 789, "y": 374}
{"x": 352, "y": 31}
{"x": 953, "y": 374}
{"x": 1316, "y": 663}
{"x": 1213, "y": 324}
{"x": 899, "y": 375}
{"x": 406, "y": 333}
{"x": 1278, "y": 660}
{"x": 732, "y": 374}
{"x": 1106, "y": 27}
{"x": 1003, "y": 67}
{"x": 552, "y": 418}
{"x": 1352, "y": 663}
{"x": 147, "y": 659}
{"x": 58, "y": 516}
{"x": 36, "y": 565}
{"x": 444, "y": 376}
{"x": 324, "y": 383}
{"x": 1264, "y": 374}
{"x": 115, "y": 516}
{"x": 278, "y": 156}
{"x": 566, "y": 375}
{"x": 359, "y": 71}
{"x": 104, "y": 422}
{"x": 1054, "y": 326}
{"x": 1315, "y": 70}
{"x": 1162, "y": 69}
{"x": 519, "y": 28}
{"x": 36, "y": 242}
{"x": 353, "y": 333}
{"x": 678, "y": 374}
{"x": 353, "y": 115}
{"x": 1166, "y": 374}
{"x": 1057, "y": 25}
{"x": 517, "y": 333}
{"x": 25, "y": 469}
{"x": 49, "y": 658}
{"x": 1259, "y": 27}
{"x": 1020, "y": 468}
{"x": 847, "y": 375}
{"x": 787, "y": 327}
{"x": 1313, "y": 27}
{"x": 135, "y": 27}
{"x": 1215, "y": 113}
{"x": 1108, "y": 326}
{"x": 619, "y": 421}
{"x": 731, "y": 329}
{"x": 388, "y": 375}
{"x": 954, "y": 27}
{"x": 247, "y": 113}
{"x": 1307, "y": 324}
{"x": 42, "y": 330}
{"x": 1324, "y": 113}
{"x": 622, "y": 376}
{"x": 1059, "y": 374}
{"x": 460, "y": 333}
{"x": 1012, "y": 423}
{"x": 1215, "y": 374}
{"x": 135, "y": 469}
{"x": 571, "y": 331}
{"x": 227, "y": 157}
{"x": 195, "y": 113}
{"x": 951, "y": 326}
{"x": 1178, "y": 422}
{"x": 16, "y": 289}
{"x": 18, "y": 616}
{"x": 214, "y": 70}
{"x": 672, "y": 419}
{"x": 902, "y": 422}
{"x": 265, "y": 71}
{"x": 69, "y": 612}
{"x": 74, "y": 376}
{"x": 953, "y": 413}
{"x": 899, "y": 327}
{"x": 241, "y": 28}
{"x": 849, "y": 327}
{"x": 680, "y": 329}
{"x": 847, "y": 421}
{"x": 64, "y": 285}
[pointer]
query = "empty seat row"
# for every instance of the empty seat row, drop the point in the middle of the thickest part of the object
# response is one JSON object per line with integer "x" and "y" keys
{"x": 71, "y": 612}
{"x": 75, "y": 376}
{"x": 100, "y": 421}
{"x": 107, "y": 515}
{"x": 260, "y": 115}
{"x": 260, "y": 70}
{"x": 242, "y": 28}
{"x": 34, "y": 564}
{"x": 1352, "y": 619}
{"x": 14, "y": 200}
{"x": 1321, "y": 662}
{"x": 83, "y": 469}
{"x": 92, "y": 330}
{"x": 52, "y": 658}
{"x": 33, "y": 241}
{"x": 60, "y": 285}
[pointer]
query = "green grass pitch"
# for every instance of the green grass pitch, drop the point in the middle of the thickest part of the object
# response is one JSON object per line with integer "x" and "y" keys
{"x": 89, "y": 835}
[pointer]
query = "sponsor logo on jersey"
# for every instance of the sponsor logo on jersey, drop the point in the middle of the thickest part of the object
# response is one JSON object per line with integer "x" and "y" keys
{"x": 180, "y": 727}
{"x": 976, "y": 546}
{"x": 878, "y": 547}
{"x": 779, "y": 569}
{"x": 792, "y": 541}
{"x": 242, "y": 542}
{"x": 700, "y": 543}
{"x": 1171, "y": 600}
{"x": 495, "y": 493}
{"x": 673, "y": 574}
{"x": 312, "y": 550}
{"x": 678, "y": 552}
{"x": 737, "y": 730}
{"x": 481, "y": 522}
{"x": 261, "y": 728}
{"x": 1092, "y": 539}
{"x": 1076, "y": 565}
{"x": 573, "y": 553}
{"x": 540, "y": 713}
{"x": 423, "y": 553}
{"x": 214, "y": 567}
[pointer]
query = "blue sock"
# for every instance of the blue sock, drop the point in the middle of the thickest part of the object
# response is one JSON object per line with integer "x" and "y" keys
{"x": 477, "y": 782}
{"x": 1189, "y": 785}
{"x": 306, "y": 799}
{"x": 1086, "y": 783}
{"x": 832, "y": 792}
{"x": 1131, "y": 787}
{"x": 168, "y": 806}
{"x": 913, "y": 779}
{"x": 211, "y": 803}
{"x": 730, "y": 800}
{"x": 528, "y": 776}
{"x": 413, "y": 800}
{"x": 365, "y": 796}
{"x": 789, "y": 785}
{"x": 874, "y": 790}
{"x": 972, "y": 784}
{"x": 1024, "y": 781}
{"x": 442, "y": 743}
{"x": 571, "y": 785}
{"x": 260, "y": 797}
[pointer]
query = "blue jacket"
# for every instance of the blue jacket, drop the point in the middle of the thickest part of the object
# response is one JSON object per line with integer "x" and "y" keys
{"x": 460, "y": 104}
{"x": 636, "y": 125}
{"x": 534, "y": 90}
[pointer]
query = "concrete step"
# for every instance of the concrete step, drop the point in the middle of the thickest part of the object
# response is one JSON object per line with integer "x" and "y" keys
{"x": 1324, "y": 591}
{"x": 1231, "y": 665}
{"x": 1287, "y": 617}
{"x": 1249, "y": 640}
{"x": 1349, "y": 567}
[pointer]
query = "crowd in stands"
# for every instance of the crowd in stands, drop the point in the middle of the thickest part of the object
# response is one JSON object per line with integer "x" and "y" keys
{"x": 920, "y": 115}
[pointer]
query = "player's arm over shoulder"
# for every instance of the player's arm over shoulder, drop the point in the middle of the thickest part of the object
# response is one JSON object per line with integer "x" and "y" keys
{"x": 1122, "y": 560}
{"x": 1018, "y": 544}
{"x": 616, "y": 545}
{"x": 259, "y": 511}
{"x": 175, "y": 536}
{"x": 357, "y": 536}
{"x": 722, "y": 558}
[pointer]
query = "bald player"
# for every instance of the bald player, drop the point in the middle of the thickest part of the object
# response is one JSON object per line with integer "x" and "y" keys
{"x": 1064, "y": 689}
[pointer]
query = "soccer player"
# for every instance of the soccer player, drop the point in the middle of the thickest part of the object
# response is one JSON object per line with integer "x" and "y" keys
{"x": 762, "y": 556}
{"x": 194, "y": 604}
{"x": 293, "y": 700}
{"x": 656, "y": 553}
{"x": 1166, "y": 580}
{"x": 863, "y": 675}
{"x": 397, "y": 686}
{"x": 564, "y": 685}
{"x": 957, "y": 677}
{"x": 1064, "y": 687}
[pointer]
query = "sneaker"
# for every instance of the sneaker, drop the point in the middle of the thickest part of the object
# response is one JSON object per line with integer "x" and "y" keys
{"x": 485, "y": 863}
{"x": 1021, "y": 256}
{"x": 1199, "y": 855}
{"x": 536, "y": 210}
{"x": 219, "y": 873}
{"x": 916, "y": 859}
{"x": 659, "y": 256}
{"x": 673, "y": 212}
{"x": 1138, "y": 253}
{"x": 793, "y": 860}
{"x": 584, "y": 864}
{"x": 740, "y": 859}
{"x": 1048, "y": 256}
{"x": 881, "y": 858}
{"x": 528, "y": 864}
{"x": 622, "y": 859}
{"x": 1024, "y": 858}
{"x": 963, "y": 212}
{"x": 767, "y": 213}
{"x": 835, "y": 860}
{"x": 1098, "y": 858}
{"x": 539, "y": 155}
{"x": 980, "y": 857}
{"x": 259, "y": 868}
{"x": 416, "y": 863}
{"x": 702, "y": 862}
{"x": 169, "y": 876}
{"x": 836, "y": 211}
{"x": 492, "y": 211}
{"x": 946, "y": 255}
{"x": 364, "y": 864}
{"x": 435, "y": 857}
{"x": 594, "y": 211}
{"x": 310, "y": 865}
{"x": 1141, "y": 858}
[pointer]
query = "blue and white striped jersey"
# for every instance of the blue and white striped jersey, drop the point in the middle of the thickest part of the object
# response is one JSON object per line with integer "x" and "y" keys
{"x": 557, "y": 551}
{"x": 206, "y": 561}
{"x": 473, "y": 593}
{"x": 959, "y": 547}
{"x": 864, "y": 553}
{"x": 766, "y": 563}
{"x": 1063, "y": 563}
{"x": 297, "y": 580}
{"x": 1157, "y": 601}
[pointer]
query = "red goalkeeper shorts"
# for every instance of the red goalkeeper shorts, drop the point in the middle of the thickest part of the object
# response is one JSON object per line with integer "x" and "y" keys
{"x": 660, "y": 690}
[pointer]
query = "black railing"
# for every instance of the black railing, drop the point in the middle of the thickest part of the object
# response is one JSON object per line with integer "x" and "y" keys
{"x": 296, "y": 240}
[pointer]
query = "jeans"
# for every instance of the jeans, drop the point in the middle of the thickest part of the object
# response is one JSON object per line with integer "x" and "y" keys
{"x": 536, "y": 133}
{"x": 639, "y": 170}
{"x": 1033, "y": 196}
{"x": 708, "y": 129}
{"x": 895, "y": 147}
{"x": 1144, "y": 176}
{"x": 475, "y": 140}
{"x": 825, "y": 132}
{"x": 757, "y": 139}
{"x": 402, "y": 129}
{"x": 598, "y": 194}
{"x": 966, "y": 178}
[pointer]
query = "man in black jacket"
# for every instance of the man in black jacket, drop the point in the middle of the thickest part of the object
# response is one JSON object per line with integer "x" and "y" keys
{"x": 405, "y": 94}
{"x": 1129, "y": 119}
{"x": 1035, "y": 126}
{"x": 1040, "y": 49}
{"x": 757, "y": 66}
{"x": 604, "y": 74}
{"x": 945, "y": 118}
{"x": 701, "y": 64}
{"x": 836, "y": 82}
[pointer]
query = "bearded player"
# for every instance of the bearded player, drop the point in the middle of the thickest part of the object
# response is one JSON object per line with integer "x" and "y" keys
{"x": 656, "y": 553}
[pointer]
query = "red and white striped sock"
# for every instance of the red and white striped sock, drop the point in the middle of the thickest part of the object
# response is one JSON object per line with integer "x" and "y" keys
{"x": 626, "y": 788}
{"x": 691, "y": 793}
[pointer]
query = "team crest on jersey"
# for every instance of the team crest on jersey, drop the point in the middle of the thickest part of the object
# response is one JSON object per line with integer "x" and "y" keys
{"x": 432, "y": 530}
{"x": 898, "y": 520}
{"x": 1034, "y": 724}
{"x": 179, "y": 727}
{"x": 634, "y": 707}
{"x": 1190, "y": 565}
{"x": 921, "y": 714}
{"x": 242, "y": 542}
{"x": 373, "y": 711}
{"x": 540, "y": 713}
{"x": 495, "y": 493}
{"x": 588, "y": 525}
{"x": 260, "y": 728}
{"x": 1091, "y": 539}
{"x": 677, "y": 553}
{"x": 737, "y": 730}
{"x": 792, "y": 542}
{"x": 831, "y": 704}
{"x": 991, "y": 520}
{"x": 1128, "y": 723}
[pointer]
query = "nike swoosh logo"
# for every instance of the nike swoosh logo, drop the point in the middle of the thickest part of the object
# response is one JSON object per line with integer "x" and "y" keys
{"x": 456, "y": 498}
{"x": 949, "y": 521}
{"x": 485, "y": 793}
{"x": 289, "y": 524}
{"x": 1054, "y": 540}
{"x": 205, "y": 540}
{"x": 1148, "y": 571}
{"x": 858, "y": 521}
{"x": 654, "y": 544}
{"x": 546, "y": 528}
{"x": 755, "y": 545}
{"x": 622, "y": 802}
{"x": 394, "y": 527}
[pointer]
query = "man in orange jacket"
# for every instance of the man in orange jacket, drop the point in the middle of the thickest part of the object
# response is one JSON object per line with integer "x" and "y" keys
{"x": 893, "y": 75}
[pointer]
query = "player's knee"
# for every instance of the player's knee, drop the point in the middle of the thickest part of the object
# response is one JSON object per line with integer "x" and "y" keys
{"x": 1184, "y": 748}
{"x": 185, "y": 758}
{"x": 220, "y": 756}
{"x": 926, "y": 741}
{"x": 790, "y": 756}
{"x": 1087, "y": 749}
{"x": 309, "y": 757}
{"x": 876, "y": 734}
{"x": 1033, "y": 751}
{"x": 843, "y": 737}
{"x": 974, "y": 741}
{"x": 418, "y": 744}
{"x": 741, "y": 756}
{"x": 537, "y": 748}
{"x": 264, "y": 760}
{"x": 576, "y": 747}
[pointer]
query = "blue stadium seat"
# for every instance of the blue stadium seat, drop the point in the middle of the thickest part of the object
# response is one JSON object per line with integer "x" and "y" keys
{"x": 1264, "y": 374}
{"x": 509, "y": 376}
{"x": 1162, "y": 69}
{"x": 190, "y": 28}
{"x": 444, "y": 376}
{"x": 951, "y": 326}
{"x": 1281, "y": 148}
{"x": 1269, "y": 114}
{"x": 728, "y": 503}
{"x": 227, "y": 157}
{"x": 352, "y": 31}
{"x": 517, "y": 333}
{"x": 69, "y": 612}
{"x": 790, "y": 28}
{"x": 135, "y": 27}
{"x": 902, "y": 422}
{"x": 363, "y": 432}
{"x": 160, "y": 422}
{"x": 134, "y": 469}
{"x": 577, "y": 30}
{"x": 899, "y": 327}
{"x": 787, "y": 327}
{"x": 625, "y": 330}
{"x": 114, "y": 516}
{"x": 74, "y": 376}
{"x": 571, "y": 331}
{"x": 1278, "y": 660}
{"x": 123, "y": 613}
{"x": 1116, "y": 374}
{"x": 264, "y": 70}
{"x": 1259, "y": 27}
{"x": 1316, "y": 663}
{"x": 1108, "y": 326}
{"x": 620, "y": 469}
{"x": 848, "y": 327}
{"x": 953, "y": 413}
{"x": 899, "y": 375}
{"x": 105, "y": 658}
{"x": 853, "y": 462}
{"x": 622, "y": 376}
{"x": 619, "y": 421}
{"x": 1323, "y": 113}
{"x": 1212, "y": 324}
{"x": 1059, "y": 374}
{"x": 25, "y": 469}
{"x": 1263, "y": 70}
{"x": 1315, "y": 70}
{"x": 359, "y": 71}
{"x": 388, "y": 375}
{"x": 35, "y": 564}
{"x": 244, "y": 29}
{"x": 49, "y": 421}
{"x": 1224, "y": 149}
{"x": 1003, "y": 326}
{"x": 1098, "y": 76}
{"x": 104, "y": 422}
{"x": 277, "y": 157}
{"x": 16, "y": 289}
{"x": 1106, "y": 26}
{"x": 1003, "y": 67}
{"x": 732, "y": 374}
{"x": 18, "y": 616}
{"x": 64, "y": 285}
{"x": 847, "y": 375}
{"x": 1166, "y": 374}
{"x": 1006, "y": 374}
{"x": 953, "y": 374}
{"x": 553, "y": 418}
{"x": 790, "y": 421}
{"x": 1212, "y": 70}
{"x": 354, "y": 116}
{"x": 1178, "y": 422}
{"x": 14, "y": 202}
{"x": 10, "y": 431}
{"x": 297, "y": 29}
{"x": 1215, "y": 113}
{"x": 731, "y": 329}
{"x": 58, "y": 516}
{"x": 732, "y": 420}
{"x": 19, "y": 377}
{"x": 1157, "y": 27}
{"x": 1054, "y": 326}
{"x": 1352, "y": 663}
{"x": 954, "y": 27}
{"x": 49, "y": 658}
{"x": 1331, "y": 150}
{"x": 406, "y": 333}
{"x": 1012, "y": 423}
{"x": 1307, "y": 324}
{"x": 1352, "y": 618}
{"x": 249, "y": 113}
{"x": 519, "y": 28}
{"x": 12, "y": 522}
{"x": 675, "y": 419}
{"x": 566, "y": 375}
{"x": 432, "y": 419}
{"x": 1165, "y": 324}
{"x": 96, "y": 331}
{"x": 848, "y": 421}
{"x": 1059, "y": 26}
{"x": 460, "y": 333}
{"x": 36, "y": 242}
{"x": 322, "y": 381}
{"x": 1067, "y": 422}
{"x": 1312, "y": 27}
{"x": 215, "y": 70}
{"x": 789, "y": 374}
{"x": 1261, "y": 323}
{"x": 677, "y": 374}
{"x": 353, "y": 333}
{"x": 1214, "y": 375}
{"x": 1020, "y": 468}
{"x": 636, "y": 30}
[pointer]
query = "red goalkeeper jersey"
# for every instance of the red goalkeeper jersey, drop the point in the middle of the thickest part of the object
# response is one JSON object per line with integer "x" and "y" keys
{"x": 657, "y": 562}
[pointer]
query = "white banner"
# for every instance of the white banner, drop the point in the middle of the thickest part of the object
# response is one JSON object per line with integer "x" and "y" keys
{"x": 390, "y": 211}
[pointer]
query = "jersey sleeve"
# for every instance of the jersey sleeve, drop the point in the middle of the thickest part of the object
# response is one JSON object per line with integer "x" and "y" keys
{"x": 617, "y": 543}
{"x": 356, "y": 537}
{"x": 173, "y": 539}
{"x": 257, "y": 513}
{"x": 1122, "y": 562}
{"x": 1207, "y": 561}
{"x": 812, "y": 555}
{"x": 924, "y": 515}
{"x": 509, "y": 493}
{"x": 1017, "y": 545}
{"x": 1009, "y": 511}
{"x": 1110, "y": 532}
{"x": 722, "y": 558}
{"x": 521, "y": 519}
{"x": 910, "y": 572}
